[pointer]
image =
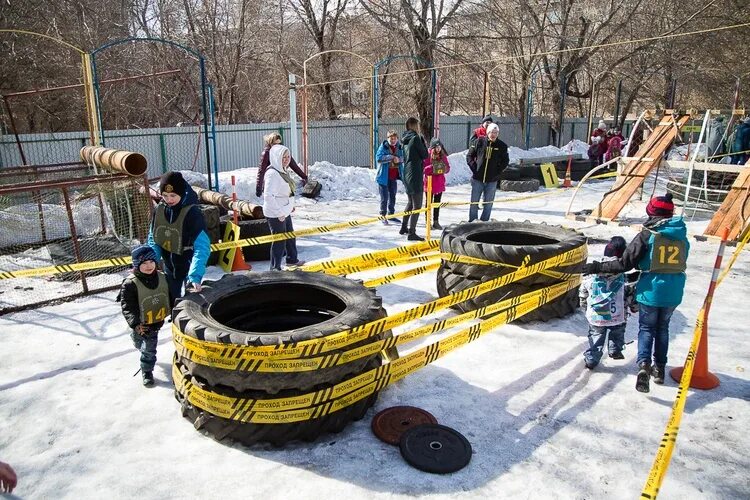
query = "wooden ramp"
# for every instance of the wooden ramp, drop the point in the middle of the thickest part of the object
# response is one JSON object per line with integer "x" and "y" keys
{"x": 734, "y": 213}
{"x": 635, "y": 172}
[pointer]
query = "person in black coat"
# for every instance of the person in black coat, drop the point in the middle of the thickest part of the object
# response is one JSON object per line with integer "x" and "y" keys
{"x": 146, "y": 302}
{"x": 487, "y": 158}
{"x": 415, "y": 153}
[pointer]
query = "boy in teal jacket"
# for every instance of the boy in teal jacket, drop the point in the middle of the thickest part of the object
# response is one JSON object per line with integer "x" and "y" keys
{"x": 660, "y": 251}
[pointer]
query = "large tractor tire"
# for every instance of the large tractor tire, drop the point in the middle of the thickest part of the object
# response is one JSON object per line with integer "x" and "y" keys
{"x": 521, "y": 185}
{"x": 513, "y": 243}
{"x": 269, "y": 308}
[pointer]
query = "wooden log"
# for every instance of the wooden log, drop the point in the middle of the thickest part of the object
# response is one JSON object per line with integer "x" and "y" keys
{"x": 247, "y": 209}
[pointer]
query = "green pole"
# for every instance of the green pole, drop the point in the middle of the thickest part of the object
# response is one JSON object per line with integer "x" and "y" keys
{"x": 163, "y": 149}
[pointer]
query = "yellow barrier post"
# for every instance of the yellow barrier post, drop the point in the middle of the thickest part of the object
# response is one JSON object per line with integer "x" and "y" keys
{"x": 428, "y": 215}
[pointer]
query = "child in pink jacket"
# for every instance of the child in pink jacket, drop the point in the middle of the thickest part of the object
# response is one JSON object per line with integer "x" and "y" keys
{"x": 436, "y": 166}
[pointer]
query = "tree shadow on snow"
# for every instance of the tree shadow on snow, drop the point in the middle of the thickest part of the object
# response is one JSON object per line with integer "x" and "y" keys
{"x": 501, "y": 438}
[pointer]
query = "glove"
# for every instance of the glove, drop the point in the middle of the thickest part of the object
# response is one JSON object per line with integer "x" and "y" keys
{"x": 141, "y": 329}
{"x": 592, "y": 268}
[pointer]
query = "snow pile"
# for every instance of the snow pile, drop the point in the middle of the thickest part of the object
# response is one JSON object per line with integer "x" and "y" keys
{"x": 345, "y": 183}
{"x": 20, "y": 223}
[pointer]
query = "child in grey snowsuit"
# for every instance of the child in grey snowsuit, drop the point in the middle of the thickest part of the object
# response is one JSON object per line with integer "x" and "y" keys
{"x": 145, "y": 300}
{"x": 604, "y": 298}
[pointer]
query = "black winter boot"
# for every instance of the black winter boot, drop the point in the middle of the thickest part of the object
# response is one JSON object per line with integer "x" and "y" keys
{"x": 404, "y": 226}
{"x": 644, "y": 374}
{"x": 658, "y": 373}
{"x": 436, "y": 225}
{"x": 414, "y": 237}
{"x": 148, "y": 379}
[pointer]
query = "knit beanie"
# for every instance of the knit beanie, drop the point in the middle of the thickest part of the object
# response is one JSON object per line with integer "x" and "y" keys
{"x": 488, "y": 118}
{"x": 491, "y": 127}
{"x": 141, "y": 254}
{"x": 660, "y": 206}
{"x": 615, "y": 247}
{"x": 435, "y": 142}
{"x": 172, "y": 182}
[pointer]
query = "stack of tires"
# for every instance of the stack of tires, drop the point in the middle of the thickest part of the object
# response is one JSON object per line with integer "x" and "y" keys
{"x": 512, "y": 179}
{"x": 514, "y": 243}
{"x": 272, "y": 308}
{"x": 251, "y": 228}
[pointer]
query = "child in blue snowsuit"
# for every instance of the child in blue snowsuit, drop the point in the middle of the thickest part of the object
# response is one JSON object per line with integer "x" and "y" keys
{"x": 146, "y": 302}
{"x": 605, "y": 298}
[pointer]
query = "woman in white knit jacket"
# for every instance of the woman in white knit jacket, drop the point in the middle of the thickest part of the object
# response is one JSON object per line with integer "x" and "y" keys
{"x": 278, "y": 205}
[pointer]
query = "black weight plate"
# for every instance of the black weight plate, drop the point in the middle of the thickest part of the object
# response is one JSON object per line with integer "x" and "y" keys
{"x": 390, "y": 424}
{"x": 435, "y": 448}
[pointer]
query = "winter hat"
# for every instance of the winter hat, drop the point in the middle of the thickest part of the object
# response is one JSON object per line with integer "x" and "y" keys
{"x": 487, "y": 118}
{"x": 615, "y": 247}
{"x": 602, "y": 125}
{"x": 660, "y": 206}
{"x": 172, "y": 182}
{"x": 141, "y": 254}
{"x": 435, "y": 142}
{"x": 491, "y": 127}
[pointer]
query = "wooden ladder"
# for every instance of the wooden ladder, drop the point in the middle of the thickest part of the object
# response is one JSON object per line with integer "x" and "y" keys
{"x": 635, "y": 172}
{"x": 734, "y": 213}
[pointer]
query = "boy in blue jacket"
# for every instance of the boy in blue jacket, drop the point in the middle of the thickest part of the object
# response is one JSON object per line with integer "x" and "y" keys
{"x": 660, "y": 251}
{"x": 178, "y": 235}
{"x": 390, "y": 158}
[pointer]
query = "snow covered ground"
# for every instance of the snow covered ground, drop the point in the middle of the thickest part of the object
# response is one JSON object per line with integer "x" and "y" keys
{"x": 76, "y": 424}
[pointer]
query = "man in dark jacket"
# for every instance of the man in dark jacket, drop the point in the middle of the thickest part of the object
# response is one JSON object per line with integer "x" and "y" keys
{"x": 415, "y": 152}
{"x": 660, "y": 251}
{"x": 487, "y": 159}
{"x": 145, "y": 301}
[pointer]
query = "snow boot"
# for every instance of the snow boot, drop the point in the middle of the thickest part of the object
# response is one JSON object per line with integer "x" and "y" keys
{"x": 589, "y": 364}
{"x": 414, "y": 237}
{"x": 148, "y": 379}
{"x": 384, "y": 222}
{"x": 658, "y": 373}
{"x": 436, "y": 225}
{"x": 616, "y": 355}
{"x": 644, "y": 374}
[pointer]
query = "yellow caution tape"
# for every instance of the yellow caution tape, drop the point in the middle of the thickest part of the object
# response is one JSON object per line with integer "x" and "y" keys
{"x": 234, "y": 356}
{"x": 323, "y": 402}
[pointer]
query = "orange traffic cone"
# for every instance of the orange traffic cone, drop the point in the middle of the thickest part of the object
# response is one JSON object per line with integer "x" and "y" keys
{"x": 566, "y": 183}
{"x": 239, "y": 264}
{"x": 701, "y": 377}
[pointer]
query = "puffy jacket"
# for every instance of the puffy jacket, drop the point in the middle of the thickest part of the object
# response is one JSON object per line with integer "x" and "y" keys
{"x": 478, "y": 132}
{"x": 383, "y": 156}
{"x": 264, "y": 163}
{"x": 487, "y": 160}
{"x": 128, "y": 298}
{"x": 192, "y": 262}
{"x": 741, "y": 143}
{"x": 278, "y": 195}
{"x": 415, "y": 152}
{"x": 656, "y": 289}
{"x": 438, "y": 181}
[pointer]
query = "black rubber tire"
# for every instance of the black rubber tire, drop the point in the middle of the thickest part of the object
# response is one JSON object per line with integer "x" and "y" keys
{"x": 277, "y": 434}
{"x": 251, "y": 228}
{"x": 578, "y": 168}
{"x": 533, "y": 171}
{"x": 290, "y": 307}
{"x": 511, "y": 243}
{"x": 448, "y": 283}
{"x": 511, "y": 173}
{"x": 520, "y": 186}
{"x": 211, "y": 216}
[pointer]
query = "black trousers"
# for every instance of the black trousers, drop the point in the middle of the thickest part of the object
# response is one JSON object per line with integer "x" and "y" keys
{"x": 410, "y": 221}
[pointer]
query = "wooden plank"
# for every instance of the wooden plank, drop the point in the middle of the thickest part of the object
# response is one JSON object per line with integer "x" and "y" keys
{"x": 734, "y": 212}
{"x": 699, "y": 165}
{"x": 636, "y": 170}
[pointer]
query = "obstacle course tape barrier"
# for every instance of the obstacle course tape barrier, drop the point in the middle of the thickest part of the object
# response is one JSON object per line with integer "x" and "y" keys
{"x": 320, "y": 403}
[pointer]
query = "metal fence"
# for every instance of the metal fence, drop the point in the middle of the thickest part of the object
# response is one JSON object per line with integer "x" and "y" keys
{"x": 58, "y": 222}
{"x": 341, "y": 142}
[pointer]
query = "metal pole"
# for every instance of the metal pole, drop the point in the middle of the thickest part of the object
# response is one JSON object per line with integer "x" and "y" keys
{"x": 74, "y": 238}
{"x": 304, "y": 118}
{"x": 15, "y": 131}
{"x": 205, "y": 120}
{"x": 591, "y": 109}
{"x": 97, "y": 95}
{"x": 293, "y": 115}
{"x": 618, "y": 97}
{"x": 375, "y": 112}
{"x": 692, "y": 162}
{"x": 212, "y": 113}
{"x": 563, "y": 87}
{"x": 435, "y": 104}
{"x": 529, "y": 108}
